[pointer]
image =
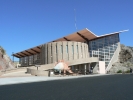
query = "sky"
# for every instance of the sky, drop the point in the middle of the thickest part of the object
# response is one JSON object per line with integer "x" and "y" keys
{"x": 28, "y": 23}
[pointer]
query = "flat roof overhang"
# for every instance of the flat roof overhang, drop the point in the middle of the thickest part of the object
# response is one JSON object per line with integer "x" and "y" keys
{"x": 80, "y": 36}
{"x": 28, "y": 52}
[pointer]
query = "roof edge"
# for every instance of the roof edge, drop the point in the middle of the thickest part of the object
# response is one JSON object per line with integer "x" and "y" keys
{"x": 91, "y": 32}
{"x": 114, "y": 33}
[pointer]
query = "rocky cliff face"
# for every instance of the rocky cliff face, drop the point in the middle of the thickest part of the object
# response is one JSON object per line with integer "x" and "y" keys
{"x": 125, "y": 59}
{"x": 5, "y": 61}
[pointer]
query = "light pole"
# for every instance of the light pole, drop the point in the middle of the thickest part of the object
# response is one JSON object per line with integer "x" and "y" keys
{"x": 13, "y": 57}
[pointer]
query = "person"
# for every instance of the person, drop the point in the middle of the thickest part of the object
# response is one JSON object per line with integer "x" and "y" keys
{"x": 91, "y": 70}
{"x": 131, "y": 70}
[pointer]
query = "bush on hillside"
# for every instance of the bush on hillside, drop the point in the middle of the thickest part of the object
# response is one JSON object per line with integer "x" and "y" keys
{"x": 2, "y": 50}
{"x": 119, "y": 71}
{"x": 128, "y": 71}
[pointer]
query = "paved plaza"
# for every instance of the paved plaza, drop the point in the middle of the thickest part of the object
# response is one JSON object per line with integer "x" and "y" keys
{"x": 107, "y": 87}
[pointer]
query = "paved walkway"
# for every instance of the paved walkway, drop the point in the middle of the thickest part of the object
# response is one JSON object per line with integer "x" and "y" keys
{"x": 22, "y": 79}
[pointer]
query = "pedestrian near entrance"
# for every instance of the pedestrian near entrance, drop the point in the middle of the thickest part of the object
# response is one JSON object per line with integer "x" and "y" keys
{"x": 91, "y": 70}
{"x": 131, "y": 70}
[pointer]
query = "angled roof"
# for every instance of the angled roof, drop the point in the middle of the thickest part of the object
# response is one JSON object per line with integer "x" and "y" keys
{"x": 80, "y": 36}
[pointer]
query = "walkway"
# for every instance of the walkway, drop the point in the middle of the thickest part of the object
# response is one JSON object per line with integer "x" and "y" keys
{"x": 27, "y": 79}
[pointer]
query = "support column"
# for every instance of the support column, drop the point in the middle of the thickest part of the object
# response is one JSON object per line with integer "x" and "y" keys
{"x": 89, "y": 67}
{"x": 85, "y": 68}
{"x": 13, "y": 57}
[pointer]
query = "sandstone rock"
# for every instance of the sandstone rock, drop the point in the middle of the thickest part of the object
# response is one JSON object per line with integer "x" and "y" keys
{"x": 125, "y": 54}
{"x": 5, "y": 61}
{"x": 125, "y": 59}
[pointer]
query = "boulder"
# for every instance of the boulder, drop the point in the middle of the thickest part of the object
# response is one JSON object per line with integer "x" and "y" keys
{"x": 125, "y": 59}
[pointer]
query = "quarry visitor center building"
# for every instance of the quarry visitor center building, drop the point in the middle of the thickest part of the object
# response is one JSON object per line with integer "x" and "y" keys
{"x": 81, "y": 50}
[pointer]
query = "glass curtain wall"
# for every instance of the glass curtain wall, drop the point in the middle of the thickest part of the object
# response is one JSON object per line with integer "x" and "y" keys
{"x": 104, "y": 48}
{"x": 30, "y": 60}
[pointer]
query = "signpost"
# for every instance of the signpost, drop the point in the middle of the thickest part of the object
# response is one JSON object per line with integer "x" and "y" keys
{"x": 37, "y": 66}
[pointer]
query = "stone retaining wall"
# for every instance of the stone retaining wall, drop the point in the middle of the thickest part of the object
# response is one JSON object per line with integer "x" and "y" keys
{"x": 37, "y": 72}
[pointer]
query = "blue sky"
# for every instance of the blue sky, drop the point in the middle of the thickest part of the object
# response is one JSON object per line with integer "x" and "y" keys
{"x": 28, "y": 23}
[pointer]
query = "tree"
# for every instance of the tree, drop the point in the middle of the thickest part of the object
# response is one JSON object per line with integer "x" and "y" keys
{"x": 2, "y": 50}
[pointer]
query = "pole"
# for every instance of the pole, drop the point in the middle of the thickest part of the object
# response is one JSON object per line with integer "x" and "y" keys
{"x": 13, "y": 57}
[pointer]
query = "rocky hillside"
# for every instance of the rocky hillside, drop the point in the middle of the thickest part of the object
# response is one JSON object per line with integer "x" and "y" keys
{"x": 125, "y": 59}
{"x": 5, "y": 61}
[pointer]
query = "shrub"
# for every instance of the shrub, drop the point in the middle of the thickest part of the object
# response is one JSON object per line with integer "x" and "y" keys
{"x": 128, "y": 71}
{"x": 119, "y": 71}
{"x": 2, "y": 50}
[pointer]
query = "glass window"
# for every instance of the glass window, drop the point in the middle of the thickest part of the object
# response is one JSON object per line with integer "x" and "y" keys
{"x": 111, "y": 51}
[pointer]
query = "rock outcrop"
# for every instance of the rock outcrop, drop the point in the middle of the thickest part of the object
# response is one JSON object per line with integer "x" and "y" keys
{"x": 125, "y": 59}
{"x": 5, "y": 61}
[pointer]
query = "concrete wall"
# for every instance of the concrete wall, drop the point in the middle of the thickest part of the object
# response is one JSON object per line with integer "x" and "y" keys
{"x": 1, "y": 73}
{"x": 95, "y": 67}
{"x": 114, "y": 58}
{"x": 42, "y": 68}
{"x": 66, "y": 50}
{"x": 102, "y": 67}
{"x": 37, "y": 72}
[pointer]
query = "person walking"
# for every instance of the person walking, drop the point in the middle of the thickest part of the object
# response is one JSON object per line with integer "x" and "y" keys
{"x": 91, "y": 70}
{"x": 131, "y": 70}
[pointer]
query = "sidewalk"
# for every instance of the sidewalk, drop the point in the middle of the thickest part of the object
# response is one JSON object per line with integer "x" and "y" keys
{"x": 18, "y": 80}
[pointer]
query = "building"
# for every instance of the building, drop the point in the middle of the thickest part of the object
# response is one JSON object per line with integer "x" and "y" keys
{"x": 82, "y": 49}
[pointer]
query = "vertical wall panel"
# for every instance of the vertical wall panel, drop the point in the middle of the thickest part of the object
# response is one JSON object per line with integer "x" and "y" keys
{"x": 75, "y": 50}
{"x": 23, "y": 61}
{"x": 65, "y": 51}
{"x": 79, "y": 49}
{"x": 27, "y": 60}
{"x": 19, "y": 60}
{"x": 54, "y": 55}
{"x": 49, "y": 53}
{"x": 87, "y": 50}
{"x": 83, "y": 50}
{"x": 59, "y": 52}
{"x": 32, "y": 59}
{"x": 41, "y": 56}
{"x": 45, "y": 54}
{"x": 70, "y": 54}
